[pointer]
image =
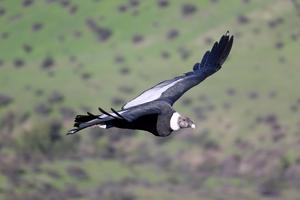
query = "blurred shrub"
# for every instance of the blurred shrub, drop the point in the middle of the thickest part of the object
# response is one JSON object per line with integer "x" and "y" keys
{"x": 46, "y": 140}
{"x": 271, "y": 187}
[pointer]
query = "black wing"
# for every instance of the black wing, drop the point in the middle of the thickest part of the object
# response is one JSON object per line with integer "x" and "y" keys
{"x": 173, "y": 89}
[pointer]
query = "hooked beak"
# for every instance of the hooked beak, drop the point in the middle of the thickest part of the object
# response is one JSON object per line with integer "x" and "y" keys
{"x": 191, "y": 124}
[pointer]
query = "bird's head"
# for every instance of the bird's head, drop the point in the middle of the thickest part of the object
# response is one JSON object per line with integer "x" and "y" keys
{"x": 178, "y": 122}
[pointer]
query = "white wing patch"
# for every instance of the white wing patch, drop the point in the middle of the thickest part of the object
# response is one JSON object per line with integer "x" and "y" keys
{"x": 151, "y": 94}
{"x": 113, "y": 114}
{"x": 102, "y": 126}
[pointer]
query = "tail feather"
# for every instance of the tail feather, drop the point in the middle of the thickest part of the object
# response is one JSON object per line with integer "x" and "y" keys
{"x": 83, "y": 118}
{"x": 84, "y": 121}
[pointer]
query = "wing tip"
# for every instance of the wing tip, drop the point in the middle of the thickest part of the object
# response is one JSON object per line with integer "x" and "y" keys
{"x": 218, "y": 53}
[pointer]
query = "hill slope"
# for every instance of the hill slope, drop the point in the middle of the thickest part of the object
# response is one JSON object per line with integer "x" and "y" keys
{"x": 61, "y": 57}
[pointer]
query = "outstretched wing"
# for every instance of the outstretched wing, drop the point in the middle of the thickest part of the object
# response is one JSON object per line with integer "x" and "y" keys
{"x": 173, "y": 89}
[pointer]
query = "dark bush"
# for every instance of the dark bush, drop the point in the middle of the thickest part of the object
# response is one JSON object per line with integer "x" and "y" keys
{"x": 46, "y": 140}
{"x": 270, "y": 187}
{"x": 188, "y": 9}
{"x": 5, "y": 100}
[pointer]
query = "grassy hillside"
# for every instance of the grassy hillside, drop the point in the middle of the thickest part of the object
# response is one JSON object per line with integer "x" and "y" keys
{"x": 62, "y": 57}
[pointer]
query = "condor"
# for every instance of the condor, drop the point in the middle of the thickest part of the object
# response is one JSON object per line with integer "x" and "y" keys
{"x": 152, "y": 110}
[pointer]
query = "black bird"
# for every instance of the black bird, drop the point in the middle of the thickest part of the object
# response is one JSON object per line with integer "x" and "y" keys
{"x": 152, "y": 110}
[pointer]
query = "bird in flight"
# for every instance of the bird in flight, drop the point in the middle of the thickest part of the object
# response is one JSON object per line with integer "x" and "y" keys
{"x": 152, "y": 110}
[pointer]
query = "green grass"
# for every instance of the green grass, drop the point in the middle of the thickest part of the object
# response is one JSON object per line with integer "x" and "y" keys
{"x": 98, "y": 172}
{"x": 253, "y": 66}
{"x": 2, "y": 181}
{"x": 98, "y": 57}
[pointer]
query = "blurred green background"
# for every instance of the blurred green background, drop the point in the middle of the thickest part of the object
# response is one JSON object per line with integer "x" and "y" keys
{"x": 59, "y": 58}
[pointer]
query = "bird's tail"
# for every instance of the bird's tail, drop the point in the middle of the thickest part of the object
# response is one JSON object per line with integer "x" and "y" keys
{"x": 85, "y": 121}
{"x": 106, "y": 120}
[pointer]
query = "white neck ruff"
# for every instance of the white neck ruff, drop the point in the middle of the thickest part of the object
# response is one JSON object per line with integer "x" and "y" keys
{"x": 174, "y": 121}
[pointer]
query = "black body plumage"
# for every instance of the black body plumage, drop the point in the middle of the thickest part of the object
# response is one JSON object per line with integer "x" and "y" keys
{"x": 152, "y": 110}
